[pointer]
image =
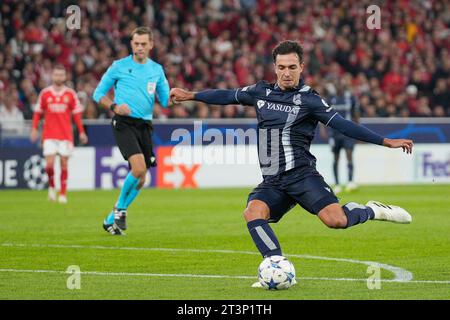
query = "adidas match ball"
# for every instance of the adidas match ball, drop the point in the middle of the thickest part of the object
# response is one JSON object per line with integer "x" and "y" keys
{"x": 276, "y": 273}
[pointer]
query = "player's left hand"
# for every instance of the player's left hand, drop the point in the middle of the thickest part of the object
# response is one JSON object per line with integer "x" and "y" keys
{"x": 405, "y": 144}
{"x": 83, "y": 138}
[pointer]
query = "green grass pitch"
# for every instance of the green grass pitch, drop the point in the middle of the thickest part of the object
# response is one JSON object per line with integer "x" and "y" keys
{"x": 177, "y": 238}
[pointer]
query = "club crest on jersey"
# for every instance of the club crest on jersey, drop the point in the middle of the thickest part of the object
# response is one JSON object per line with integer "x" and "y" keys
{"x": 297, "y": 99}
{"x": 260, "y": 103}
{"x": 151, "y": 87}
{"x": 268, "y": 91}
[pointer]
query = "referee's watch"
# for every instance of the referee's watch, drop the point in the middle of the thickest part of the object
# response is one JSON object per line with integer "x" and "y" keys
{"x": 112, "y": 106}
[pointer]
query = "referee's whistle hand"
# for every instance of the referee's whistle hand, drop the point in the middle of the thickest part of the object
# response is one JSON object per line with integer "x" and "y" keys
{"x": 123, "y": 110}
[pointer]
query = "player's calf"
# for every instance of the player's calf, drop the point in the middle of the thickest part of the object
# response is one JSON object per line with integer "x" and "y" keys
{"x": 257, "y": 214}
{"x": 352, "y": 213}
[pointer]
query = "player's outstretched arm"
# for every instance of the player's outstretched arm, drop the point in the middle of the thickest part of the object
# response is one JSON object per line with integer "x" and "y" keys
{"x": 211, "y": 96}
{"x": 359, "y": 132}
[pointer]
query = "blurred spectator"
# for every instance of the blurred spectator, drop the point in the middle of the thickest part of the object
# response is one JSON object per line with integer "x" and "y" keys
{"x": 227, "y": 44}
{"x": 11, "y": 118}
{"x": 441, "y": 97}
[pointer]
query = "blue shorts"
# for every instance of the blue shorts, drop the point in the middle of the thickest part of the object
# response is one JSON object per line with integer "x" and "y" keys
{"x": 304, "y": 186}
{"x": 341, "y": 142}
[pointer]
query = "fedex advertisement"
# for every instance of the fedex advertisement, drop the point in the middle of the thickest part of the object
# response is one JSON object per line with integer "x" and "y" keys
{"x": 197, "y": 166}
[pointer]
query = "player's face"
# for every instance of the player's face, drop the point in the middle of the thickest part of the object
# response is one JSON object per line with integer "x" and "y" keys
{"x": 58, "y": 76}
{"x": 141, "y": 46}
{"x": 288, "y": 69}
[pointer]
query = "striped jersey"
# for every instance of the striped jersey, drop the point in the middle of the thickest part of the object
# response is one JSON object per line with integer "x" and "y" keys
{"x": 287, "y": 121}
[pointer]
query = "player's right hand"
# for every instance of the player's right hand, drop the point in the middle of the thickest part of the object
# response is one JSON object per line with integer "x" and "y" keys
{"x": 178, "y": 95}
{"x": 122, "y": 109}
{"x": 34, "y": 135}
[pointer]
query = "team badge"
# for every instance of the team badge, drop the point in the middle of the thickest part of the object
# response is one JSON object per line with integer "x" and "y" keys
{"x": 151, "y": 87}
{"x": 297, "y": 99}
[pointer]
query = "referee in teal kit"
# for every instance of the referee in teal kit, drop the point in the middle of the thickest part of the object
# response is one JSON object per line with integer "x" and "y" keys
{"x": 136, "y": 80}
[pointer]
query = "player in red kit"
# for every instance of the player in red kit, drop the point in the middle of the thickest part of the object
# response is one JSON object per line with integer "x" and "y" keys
{"x": 58, "y": 104}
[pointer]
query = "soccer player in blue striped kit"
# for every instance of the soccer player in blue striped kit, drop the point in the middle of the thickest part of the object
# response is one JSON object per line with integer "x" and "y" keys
{"x": 288, "y": 112}
{"x": 137, "y": 80}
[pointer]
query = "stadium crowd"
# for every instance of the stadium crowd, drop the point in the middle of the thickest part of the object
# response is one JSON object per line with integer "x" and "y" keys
{"x": 402, "y": 69}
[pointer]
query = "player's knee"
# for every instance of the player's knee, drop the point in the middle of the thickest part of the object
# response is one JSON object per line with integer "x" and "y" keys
{"x": 139, "y": 172}
{"x": 141, "y": 182}
{"x": 256, "y": 211}
{"x": 333, "y": 219}
{"x": 64, "y": 165}
{"x": 250, "y": 215}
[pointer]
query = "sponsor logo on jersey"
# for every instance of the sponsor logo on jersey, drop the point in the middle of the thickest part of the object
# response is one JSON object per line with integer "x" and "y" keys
{"x": 297, "y": 99}
{"x": 283, "y": 107}
{"x": 57, "y": 107}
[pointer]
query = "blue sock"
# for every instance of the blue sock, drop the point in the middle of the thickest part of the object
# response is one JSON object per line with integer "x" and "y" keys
{"x": 110, "y": 218}
{"x": 131, "y": 196}
{"x": 357, "y": 213}
{"x": 264, "y": 237}
{"x": 129, "y": 184}
{"x": 350, "y": 171}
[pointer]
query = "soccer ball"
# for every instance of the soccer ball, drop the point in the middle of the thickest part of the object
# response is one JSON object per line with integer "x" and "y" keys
{"x": 276, "y": 273}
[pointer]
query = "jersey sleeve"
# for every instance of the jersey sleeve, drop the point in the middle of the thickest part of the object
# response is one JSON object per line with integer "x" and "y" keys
{"x": 163, "y": 89}
{"x": 319, "y": 109}
{"x": 217, "y": 96}
{"x": 75, "y": 105}
{"x": 246, "y": 95}
{"x": 40, "y": 105}
{"x": 107, "y": 81}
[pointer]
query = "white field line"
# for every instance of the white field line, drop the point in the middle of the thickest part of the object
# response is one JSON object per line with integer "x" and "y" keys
{"x": 130, "y": 274}
{"x": 400, "y": 275}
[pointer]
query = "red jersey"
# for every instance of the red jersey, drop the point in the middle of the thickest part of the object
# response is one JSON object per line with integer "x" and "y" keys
{"x": 58, "y": 108}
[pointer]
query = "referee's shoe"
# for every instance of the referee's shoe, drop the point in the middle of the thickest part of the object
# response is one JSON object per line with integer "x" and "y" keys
{"x": 110, "y": 225}
{"x": 120, "y": 218}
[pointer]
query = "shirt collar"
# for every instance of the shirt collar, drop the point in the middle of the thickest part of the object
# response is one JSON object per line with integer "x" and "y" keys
{"x": 301, "y": 83}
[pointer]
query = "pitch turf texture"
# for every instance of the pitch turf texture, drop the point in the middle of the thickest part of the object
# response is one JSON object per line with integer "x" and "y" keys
{"x": 176, "y": 237}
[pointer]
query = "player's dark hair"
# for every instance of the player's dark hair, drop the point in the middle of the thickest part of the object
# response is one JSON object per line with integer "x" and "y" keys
{"x": 287, "y": 47}
{"x": 141, "y": 31}
{"x": 59, "y": 66}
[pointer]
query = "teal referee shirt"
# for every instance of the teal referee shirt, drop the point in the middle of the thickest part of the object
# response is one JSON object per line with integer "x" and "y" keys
{"x": 136, "y": 85}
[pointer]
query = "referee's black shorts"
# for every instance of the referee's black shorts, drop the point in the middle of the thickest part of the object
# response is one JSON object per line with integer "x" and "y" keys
{"x": 134, "y": 136}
